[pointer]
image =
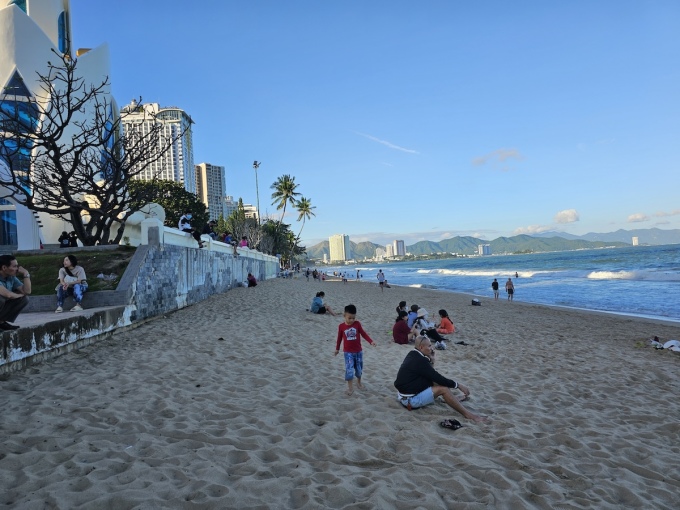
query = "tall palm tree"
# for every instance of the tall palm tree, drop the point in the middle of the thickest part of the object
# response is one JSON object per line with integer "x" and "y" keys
{"x": 305, "y": 211}
{"x": 284, "y": 193}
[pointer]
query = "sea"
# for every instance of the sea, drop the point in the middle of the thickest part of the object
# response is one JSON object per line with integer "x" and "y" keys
{"x": 637, "y": 280}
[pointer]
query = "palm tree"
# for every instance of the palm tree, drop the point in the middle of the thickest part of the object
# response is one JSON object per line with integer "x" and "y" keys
{"x": 284, "y": 193}
{"x": 306, "y": 210}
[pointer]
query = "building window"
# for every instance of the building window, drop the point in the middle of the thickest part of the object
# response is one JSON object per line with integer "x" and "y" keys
{"x": 63, "y": 33}
{"x": 8, "y": 223}
{"x": 21, "y": 4}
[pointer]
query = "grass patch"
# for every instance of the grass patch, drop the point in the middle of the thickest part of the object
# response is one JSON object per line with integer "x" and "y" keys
{"x": 44, "y": 268}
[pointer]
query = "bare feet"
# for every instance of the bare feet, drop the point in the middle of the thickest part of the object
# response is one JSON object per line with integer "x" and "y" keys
{"x": 361, "y": 386}
{"x": 349, "y": 393}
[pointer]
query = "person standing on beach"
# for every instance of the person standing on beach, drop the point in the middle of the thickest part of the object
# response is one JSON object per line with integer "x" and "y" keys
{"x": 510, "y": 289}
{"x": 381, "y": 279}
{"x": 494, "y": 286}
{"x": 418, "y": 383}
{"x": 350, "y": 333}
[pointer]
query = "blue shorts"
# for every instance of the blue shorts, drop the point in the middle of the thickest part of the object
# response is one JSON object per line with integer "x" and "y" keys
{"x": 354, "y": 365}
{"x": 422, "y": 399}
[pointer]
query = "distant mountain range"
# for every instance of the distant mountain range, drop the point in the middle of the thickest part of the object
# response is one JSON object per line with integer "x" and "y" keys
{"x": 548, "y": 241}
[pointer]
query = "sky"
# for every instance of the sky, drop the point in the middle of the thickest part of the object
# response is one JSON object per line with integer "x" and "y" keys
{"x": 418, "y": 120}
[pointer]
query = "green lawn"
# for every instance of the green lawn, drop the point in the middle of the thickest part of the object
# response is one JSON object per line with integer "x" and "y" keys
{"x": 44, "y": 268}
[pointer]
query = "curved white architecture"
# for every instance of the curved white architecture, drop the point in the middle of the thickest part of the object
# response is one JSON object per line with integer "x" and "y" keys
{"x": 29, "y": 30}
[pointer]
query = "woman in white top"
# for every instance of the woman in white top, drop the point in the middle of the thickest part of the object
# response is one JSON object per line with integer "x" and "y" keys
{"x": 72, "y": 281}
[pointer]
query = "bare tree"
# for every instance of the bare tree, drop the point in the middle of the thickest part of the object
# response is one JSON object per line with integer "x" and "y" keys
{"x": 64, "y": 153}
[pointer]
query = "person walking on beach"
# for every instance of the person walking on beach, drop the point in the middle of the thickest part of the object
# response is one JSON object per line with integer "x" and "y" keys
{"x": 418, "y": 383}
{"x": 494, "y": 286}
{"x": 350, "y": 333}
{"x": 13, "y": 291}
{"x": 510, "y": 289}
{"x": 381, "y": 279}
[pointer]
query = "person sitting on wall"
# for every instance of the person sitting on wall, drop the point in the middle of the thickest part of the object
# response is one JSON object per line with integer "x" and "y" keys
{"x": 64, "y": 241}
{"x": 252, "y": 281}
{"x": 13, "y": 291}
{"x": 209, "y": 229}
{"x": 72, "y": 282}
{"x": 185, "y": 226}
{"x": 73, "y": 239}
{"x": 244, "y": 242}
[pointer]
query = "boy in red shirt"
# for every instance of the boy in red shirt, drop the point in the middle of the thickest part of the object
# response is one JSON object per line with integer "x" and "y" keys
{"x": 350, "y": 333}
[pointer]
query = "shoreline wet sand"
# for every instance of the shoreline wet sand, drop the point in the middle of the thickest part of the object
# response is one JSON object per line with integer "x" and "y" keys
{"x": 239, "y": 402}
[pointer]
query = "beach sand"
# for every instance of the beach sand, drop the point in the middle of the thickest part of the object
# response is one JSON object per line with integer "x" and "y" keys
{"x": 238, "y": 402}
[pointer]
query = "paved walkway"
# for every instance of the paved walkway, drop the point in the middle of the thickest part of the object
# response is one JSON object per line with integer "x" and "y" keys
{"x": 26, "y": 320}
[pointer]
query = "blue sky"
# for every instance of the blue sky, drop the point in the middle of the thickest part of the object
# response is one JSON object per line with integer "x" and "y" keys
{"x": 419, "y": 120}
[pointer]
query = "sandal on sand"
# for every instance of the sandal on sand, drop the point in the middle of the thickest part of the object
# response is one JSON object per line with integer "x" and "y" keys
{"x": 451, "y": 424}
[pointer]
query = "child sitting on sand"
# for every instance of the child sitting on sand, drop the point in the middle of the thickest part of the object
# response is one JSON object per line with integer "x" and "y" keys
{"x": 350, "y": 333}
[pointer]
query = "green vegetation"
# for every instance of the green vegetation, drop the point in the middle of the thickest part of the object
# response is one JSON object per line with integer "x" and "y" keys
{"x": 44, "y": 268}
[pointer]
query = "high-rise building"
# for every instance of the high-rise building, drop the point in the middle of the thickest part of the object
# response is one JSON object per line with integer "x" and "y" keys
{"x": 340, "y": 248}
{"x": 177, "y": 164}
{"x": 484, "y": 249}
{"x": 210, "y": 185}
{"x": 229, "y": 205}
{"x": 389, "y": 251}
{"x": 399, "y": 248}
{"x": 30, "y": 31}
{"x": 636, "y": 241}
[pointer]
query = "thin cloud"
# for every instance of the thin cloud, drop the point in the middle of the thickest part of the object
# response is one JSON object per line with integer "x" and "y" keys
{"x": 498, "y": 156}
{"x": 532, "y": 229}
{"x": 567, "y": 216}
{"x": 637, "y": 218}
{"x": 662, "y": 214}
{"x": 388, "y": 144}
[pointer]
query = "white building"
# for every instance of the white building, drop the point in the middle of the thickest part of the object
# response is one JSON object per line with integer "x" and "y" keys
{"x": 484, "y": 249}
{"x": 177, "y": 164}
{"x": 340, "y": 248}
{"x": 389, "y": 251}
{"x": 250, "y": 211}
{"x": 29, "y": 31}
{"x": 210, "y": 186}
{"x": 229, "y": 205}
{"x": 398, "y": 248}
{"x": 636, "y": 241}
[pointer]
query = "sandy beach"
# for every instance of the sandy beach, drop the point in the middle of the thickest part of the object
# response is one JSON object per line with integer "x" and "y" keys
{"x": 238, "y": 402}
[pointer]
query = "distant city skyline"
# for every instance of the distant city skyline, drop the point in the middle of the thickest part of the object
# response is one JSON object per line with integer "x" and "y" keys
{"x": 433, "y": 120}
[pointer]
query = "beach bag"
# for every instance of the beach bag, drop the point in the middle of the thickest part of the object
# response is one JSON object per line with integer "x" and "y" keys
{"x": 476, "y": 302}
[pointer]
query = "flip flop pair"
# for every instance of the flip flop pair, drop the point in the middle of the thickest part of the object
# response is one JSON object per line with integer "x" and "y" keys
{"x": 451, "y": 424}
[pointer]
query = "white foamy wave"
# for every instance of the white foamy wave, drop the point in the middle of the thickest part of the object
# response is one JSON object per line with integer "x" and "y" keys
{"x": 488, "y": 273}
{"x": 634, "y": 275}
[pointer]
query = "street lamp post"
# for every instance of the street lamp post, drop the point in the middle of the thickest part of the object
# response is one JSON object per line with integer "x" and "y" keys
{"x": 256, "y": 165}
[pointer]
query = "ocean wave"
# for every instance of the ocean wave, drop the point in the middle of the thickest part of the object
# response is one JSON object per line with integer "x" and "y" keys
{"x": 634, "y": 275}
{"x": 485, "y": 272}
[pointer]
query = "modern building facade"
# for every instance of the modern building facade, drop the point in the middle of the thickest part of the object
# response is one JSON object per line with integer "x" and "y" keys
{"x": 29, "y": 31}
{"x": 399, "y": 248}
{"x": 177, "y": 164}
{"x": 484, "y": 249}
{"x": 210, "y": 185}
{"x": 339, "y": 247}
{"x": 389, "y": 251}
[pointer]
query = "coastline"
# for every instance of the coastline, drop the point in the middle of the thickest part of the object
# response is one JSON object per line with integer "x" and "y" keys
{"x": 239, "y": 401}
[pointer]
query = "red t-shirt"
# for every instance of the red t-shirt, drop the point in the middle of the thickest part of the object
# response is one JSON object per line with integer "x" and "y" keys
{"x": 350, "y": 336}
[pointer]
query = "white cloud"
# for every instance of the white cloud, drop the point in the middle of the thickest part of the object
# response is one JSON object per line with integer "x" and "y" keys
{"x": 498, "y": 156}
{"x": 388, "y": 144}
{"x": 532, "y": 229}
{"x": 567, "y": 216}
{"x": 637, "y": 218}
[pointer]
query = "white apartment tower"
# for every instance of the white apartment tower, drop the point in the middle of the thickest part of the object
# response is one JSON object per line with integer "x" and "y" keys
{"x": 399, "y": 248}
{"x": 210, "y": 186}
{"x": 177, "y": 164}
{"x": 340, "y": 248}
{"x": 389, "y": 251}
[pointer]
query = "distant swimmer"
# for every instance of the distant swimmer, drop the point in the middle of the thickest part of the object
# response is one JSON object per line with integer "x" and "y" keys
{"x": 516, "y": 275}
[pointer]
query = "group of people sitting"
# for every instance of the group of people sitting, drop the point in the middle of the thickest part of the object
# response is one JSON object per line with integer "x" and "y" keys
{"x": 410, "y": 324}
{"x": 14, "y": 292}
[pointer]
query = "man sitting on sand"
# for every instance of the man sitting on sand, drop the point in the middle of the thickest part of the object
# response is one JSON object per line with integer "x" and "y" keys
{"x": 418, "y": 383}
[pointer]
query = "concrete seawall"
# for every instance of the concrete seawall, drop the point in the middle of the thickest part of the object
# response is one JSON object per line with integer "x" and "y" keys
{"x": 160, "y": 278}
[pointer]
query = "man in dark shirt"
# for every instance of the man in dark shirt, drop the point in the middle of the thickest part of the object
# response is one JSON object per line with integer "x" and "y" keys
{"x": 418, "y": 383}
